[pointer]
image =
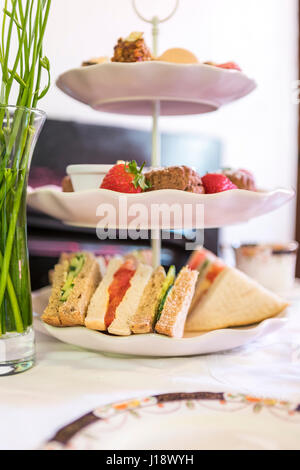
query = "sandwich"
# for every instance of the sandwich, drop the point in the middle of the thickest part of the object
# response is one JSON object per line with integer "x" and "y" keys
{"x": 176, "y": 303}
{"x": 165, "y": 302}
{"x": 208, "y": 267}
{"x": 74, "y": 281}
{"x": 143, "y": 321}
{"x": 144, "y": 256}
{"x": 134, "y": 298}
{"x": 103, "y": 262}
{"x": 118, "y": 296}
{"x": 226, "y": 297}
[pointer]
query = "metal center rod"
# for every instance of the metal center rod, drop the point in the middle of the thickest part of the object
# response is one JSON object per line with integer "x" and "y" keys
{"x": 156, "y": 150}
{"x": 156, "y": 140}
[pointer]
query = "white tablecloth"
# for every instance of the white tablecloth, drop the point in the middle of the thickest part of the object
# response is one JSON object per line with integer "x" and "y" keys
{"x": 68, "y": 382}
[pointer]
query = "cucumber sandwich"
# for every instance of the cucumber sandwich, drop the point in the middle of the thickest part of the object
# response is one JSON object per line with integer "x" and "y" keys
{"x": 74, "y": 281}
{"x": 165, "y": 302}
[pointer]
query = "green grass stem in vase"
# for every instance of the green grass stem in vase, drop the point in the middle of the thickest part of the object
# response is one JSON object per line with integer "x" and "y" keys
{"x": 24, "y": 68}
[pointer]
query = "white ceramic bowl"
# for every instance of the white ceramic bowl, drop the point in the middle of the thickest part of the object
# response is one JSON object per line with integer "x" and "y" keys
{"x": 86, "y": 177}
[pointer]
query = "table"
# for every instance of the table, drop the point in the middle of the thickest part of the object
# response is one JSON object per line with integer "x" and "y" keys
{"x": 68, "y": 382}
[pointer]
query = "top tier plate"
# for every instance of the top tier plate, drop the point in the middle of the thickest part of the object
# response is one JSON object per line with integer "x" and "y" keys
{"x": 130, "y": 88}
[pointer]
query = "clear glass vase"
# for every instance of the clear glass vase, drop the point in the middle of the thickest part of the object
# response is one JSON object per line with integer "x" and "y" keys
{"x": 19, "y": 130}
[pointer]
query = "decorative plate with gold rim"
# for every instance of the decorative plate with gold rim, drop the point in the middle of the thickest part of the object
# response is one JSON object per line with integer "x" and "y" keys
{"x": 186, "y": 421}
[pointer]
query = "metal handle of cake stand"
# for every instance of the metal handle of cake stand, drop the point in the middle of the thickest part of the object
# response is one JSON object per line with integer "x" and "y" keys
{"x": 156, "y": 141}
{"x": 155, "y": 21}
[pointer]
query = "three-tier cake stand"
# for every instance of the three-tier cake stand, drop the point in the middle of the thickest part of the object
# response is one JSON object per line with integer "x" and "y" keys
{"x": 153, "y": 89}
{"x": 157, "y": 89}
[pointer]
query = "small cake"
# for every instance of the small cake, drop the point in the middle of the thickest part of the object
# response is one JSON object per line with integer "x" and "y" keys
{"x": 243, "y": 179}
{"x": 226, "y": 65}
{"x": 95, "y": 61}
{"x": 175, "y": 177}
{"x": 178, "y": 55}
{"x": 132, "y": 49}
{"x": 67, "y": 185}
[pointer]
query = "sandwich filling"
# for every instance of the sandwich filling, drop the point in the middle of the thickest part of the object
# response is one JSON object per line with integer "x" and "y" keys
{"x": 118, "y": 288}
{"x": 197, "y": 260}
{"x": 209, "y": 267}
{"x": 209, "y": 273}
{"x": 75, "y": 266}
{"x": 166, "y": 288}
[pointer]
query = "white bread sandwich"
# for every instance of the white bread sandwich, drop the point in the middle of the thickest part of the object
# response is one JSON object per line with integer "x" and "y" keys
{"x": 175, "y": 305}
{"x": 74, "y": 281}
{"x": 143, "y": 256}
{"x": 208, "y": 267}
{"x": 226, "y": 297}
{"x": 103, "y": 262}
{"x": 118, "y": 296}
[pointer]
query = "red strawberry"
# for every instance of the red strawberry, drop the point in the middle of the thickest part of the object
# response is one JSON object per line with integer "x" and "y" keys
{"x": 216, "y": 183}
{"x": 125, "y": 178}
{"x": 230, "y": 66}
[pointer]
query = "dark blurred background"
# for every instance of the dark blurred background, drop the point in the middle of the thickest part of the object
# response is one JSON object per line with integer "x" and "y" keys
{"x": 63, "y": 143}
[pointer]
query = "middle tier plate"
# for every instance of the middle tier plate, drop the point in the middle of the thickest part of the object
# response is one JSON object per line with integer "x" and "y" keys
{"x": 100, "y": 207}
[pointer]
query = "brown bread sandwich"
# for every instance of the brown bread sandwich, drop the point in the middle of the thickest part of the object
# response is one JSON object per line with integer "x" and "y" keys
{"x": 74, "y": 281}
{"x": 165, "y": 302}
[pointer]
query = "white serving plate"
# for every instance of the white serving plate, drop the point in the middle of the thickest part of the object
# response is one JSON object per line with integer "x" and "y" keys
{"x": 153, "y": 344}
{"x": 184, "y": 421}
{"x": 221, "y": 209}
{"x": 131, "y": 88}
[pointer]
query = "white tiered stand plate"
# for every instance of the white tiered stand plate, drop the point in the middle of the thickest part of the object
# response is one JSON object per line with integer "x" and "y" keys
{"x": 131, "y": 88}
{"x": 221, "y": 209}
{"x": 153, "y": 344}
